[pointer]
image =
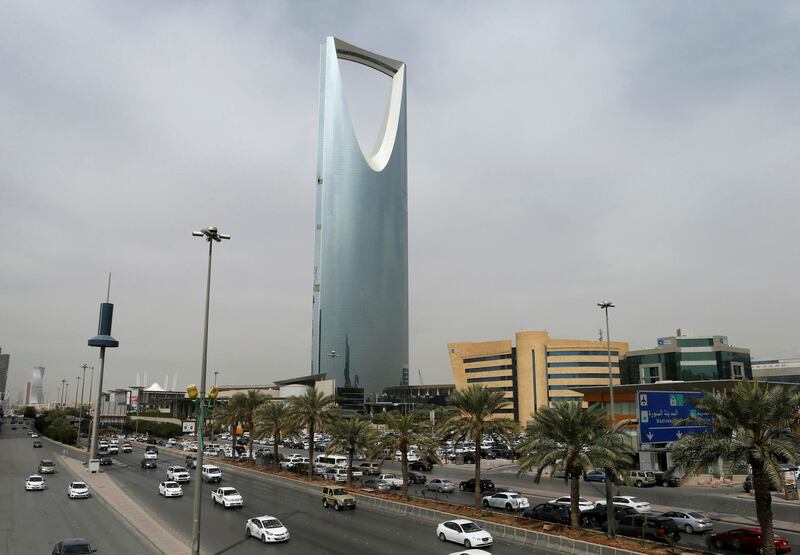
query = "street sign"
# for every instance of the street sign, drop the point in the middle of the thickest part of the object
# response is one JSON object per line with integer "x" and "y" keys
{"x": 188, "y": 426}
{"x": 659, "y": 411}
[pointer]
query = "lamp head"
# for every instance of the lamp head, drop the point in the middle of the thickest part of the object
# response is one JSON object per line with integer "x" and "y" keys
{"x": 213, "y": 392}
{"x": 192, "y": 392}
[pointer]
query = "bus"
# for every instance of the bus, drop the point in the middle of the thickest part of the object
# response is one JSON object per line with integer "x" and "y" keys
{"x": 331, "y": 460}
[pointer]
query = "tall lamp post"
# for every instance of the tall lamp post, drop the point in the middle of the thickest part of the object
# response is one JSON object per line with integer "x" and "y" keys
{"x": 76, "y": 391}
{"x": 212, "y": 235}
{"x": 61, "y": 396}
{"x": 212, "y": 405}
{"x": 66, "y": 394}
{"x": 605, "y": 305}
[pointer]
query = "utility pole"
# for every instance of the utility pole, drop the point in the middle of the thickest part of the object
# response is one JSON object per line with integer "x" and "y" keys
{"x": 610, "y": 475}
{"x": 61, "y": 397}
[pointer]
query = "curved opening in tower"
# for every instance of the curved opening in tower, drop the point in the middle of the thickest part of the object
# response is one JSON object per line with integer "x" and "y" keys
{"x": 367, "y": 93}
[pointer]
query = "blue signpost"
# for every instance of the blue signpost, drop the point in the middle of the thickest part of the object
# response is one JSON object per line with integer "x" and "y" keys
{"x": 659, "y": 412}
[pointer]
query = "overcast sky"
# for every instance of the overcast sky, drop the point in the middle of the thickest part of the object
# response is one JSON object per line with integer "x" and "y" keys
{"x": 559, "y": 154}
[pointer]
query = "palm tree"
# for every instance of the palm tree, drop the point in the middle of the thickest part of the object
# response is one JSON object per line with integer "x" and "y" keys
{"x": 251, "y": 401}
{"x": 312, "y": 411}
{"x": 477, "y": 407}
{"x": 404, "y": 430}
{"x": 576, "y": 439}
{"x": 273, "y": 419}
{"x": 351, "y": 434}
{"x": 754, "y": 424}
{"x": 230, "y": 414}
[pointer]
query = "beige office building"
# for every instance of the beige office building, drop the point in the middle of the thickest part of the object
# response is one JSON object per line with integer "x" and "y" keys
{"x": 534, "y": 370}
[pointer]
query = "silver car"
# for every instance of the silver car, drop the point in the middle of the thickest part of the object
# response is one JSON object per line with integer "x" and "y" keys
{"x": 690, "y": 522}
{"x": 376, "y": 484}
{"x": 442, "y": 486}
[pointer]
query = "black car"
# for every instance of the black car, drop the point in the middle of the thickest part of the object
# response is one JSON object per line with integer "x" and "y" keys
{"x": 420, "y": 466}
{"x": 149, "y": 463}
{"x": 549, "y": 512}
{"x": 598, "y": 516}
{"x": 654, "y": 528}
{"x": 77, "y": 546}
{"x": 105, "y": 459}
{"x": 37, "y": 443}
{"x": 469, "y": 485}
{"x": 667, "y": 480}
{"x": 415, "y": 478}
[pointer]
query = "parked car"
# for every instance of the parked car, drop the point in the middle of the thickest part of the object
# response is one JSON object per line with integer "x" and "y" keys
{"x": 653, "y": 528}
{"x": 35, "y": 483}
{"x": 170, "y": 489}
{"x": 690, "y": 522}
{"x": 77, "y": 546}
{"x": 420, "y": 466}
{"x": 595, "y": 476}
{"x": 510, "y": 501}
{"x": 640, "y": 478}
{"x": 394, "y": 481}
{"x": 628, "y": 501}
{"x": 149, "y": 463}
{"x": 549, "y": 512}
{"x": 469, "y": 485}
{"x": 598, "y": 516}
{"x": 337, "y": 497}
{"x": 415, "y": 478}
{"x": 77, "y": 490}
{"x": 227, "y": 496}
{"x": 666, "y": 480}
{"x": 266, "y": 528}
{"x": 440, "y": 485}
{"x": 583, "y": 503}
{"x": 370, "y": 468}
{"x": 464, "y": 532}
{"x": 747, "y": 539}
{"x": 376, "y": 484}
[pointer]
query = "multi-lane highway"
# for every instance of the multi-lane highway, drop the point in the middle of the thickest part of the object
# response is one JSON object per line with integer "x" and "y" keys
{"x": 314, "y": 529}
{"x": 33, "y": 521}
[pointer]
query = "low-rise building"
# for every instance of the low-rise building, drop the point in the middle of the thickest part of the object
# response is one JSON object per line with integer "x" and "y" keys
{"x": 534, "y": 370}
{"x": 779, "y": 370}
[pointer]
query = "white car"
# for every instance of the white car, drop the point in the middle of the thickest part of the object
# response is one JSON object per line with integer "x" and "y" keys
{"x": 472, "y": 552}
{"x": 210, "y": 451}
{"x": 35, "y": 482}
{"x": 583, "y": 503}
{"x": 228, "y": 497}
{"x": 633, "y": 502}
{"x": 150, "y": 455}
{"x": 113, "y": 449}
{"x": 178, "y": 474}
{"x": 34, "y": 434}
{"x": 126, "y": 448}
{"x": 77, "y": 490}
{"x": 508, "y": 500}
{"x": 170, "y": 489}
{"x": 266, "y": 528}
{"x": 464, "y": 532}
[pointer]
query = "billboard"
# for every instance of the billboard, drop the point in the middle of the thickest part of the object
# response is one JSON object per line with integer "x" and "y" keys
{"x": 188, "y": 426}
{"x": 658, "y": 412}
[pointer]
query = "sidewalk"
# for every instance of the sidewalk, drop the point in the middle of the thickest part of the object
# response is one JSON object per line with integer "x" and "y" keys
{"x": 100, "y": 484}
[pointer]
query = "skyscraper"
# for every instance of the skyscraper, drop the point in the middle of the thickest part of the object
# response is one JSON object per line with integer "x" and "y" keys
{"x": 37, "y": 395}
{"x": 360, "y": 298}
{"x": 4, "y": 361}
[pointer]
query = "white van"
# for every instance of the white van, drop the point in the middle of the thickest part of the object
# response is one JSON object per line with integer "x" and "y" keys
{"x": 211, "y": 473}
{"x": 329, "y": 461}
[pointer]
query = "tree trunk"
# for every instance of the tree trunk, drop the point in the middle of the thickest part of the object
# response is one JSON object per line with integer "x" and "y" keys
{"x": 763, "y": 497}
{"x": 311, "y": 451}
{"x": 574, "y": 497}
{"x": 478, "y": 488}
{"x": 349, "y": 468}
{"x": 276, "y": 437}
{"x": 251, "y": 429}
{"x": 404, "y": 467}
{"x": 233, "y": 439}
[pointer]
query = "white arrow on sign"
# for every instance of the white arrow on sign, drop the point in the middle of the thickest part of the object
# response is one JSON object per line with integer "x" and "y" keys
{"x": 650, "y": 436}
{"x": 679, "y": 434}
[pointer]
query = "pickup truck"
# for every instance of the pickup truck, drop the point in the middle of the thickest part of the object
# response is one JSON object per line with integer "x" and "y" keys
{"x": 227, "y": 496}
{"x": 178, "y": 474}
{"x": 392, "y": 480}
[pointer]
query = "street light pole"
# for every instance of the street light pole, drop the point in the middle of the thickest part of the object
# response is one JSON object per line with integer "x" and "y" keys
{"x": 609, "y": 494}
{"x": 61, "y": 397}
{"x": 80, "y": 413}
{"x": 76, "y": 391}
{"x": 66, "y": 395}
{"x": 212, "y": 235}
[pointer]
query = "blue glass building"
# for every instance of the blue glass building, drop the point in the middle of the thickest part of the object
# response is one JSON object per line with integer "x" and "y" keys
{"x": 360, "y": 300}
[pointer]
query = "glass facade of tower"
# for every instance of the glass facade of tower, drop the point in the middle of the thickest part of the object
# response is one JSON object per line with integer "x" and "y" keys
{"x": 360, "y": 294}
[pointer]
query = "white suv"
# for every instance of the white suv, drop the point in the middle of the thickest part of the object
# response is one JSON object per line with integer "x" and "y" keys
{"x": 178, "y": 474}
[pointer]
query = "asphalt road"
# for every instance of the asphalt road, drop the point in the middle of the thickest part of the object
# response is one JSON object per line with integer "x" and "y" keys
{"x": 314, "y": 529}
{"x": 34, "y": 521}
